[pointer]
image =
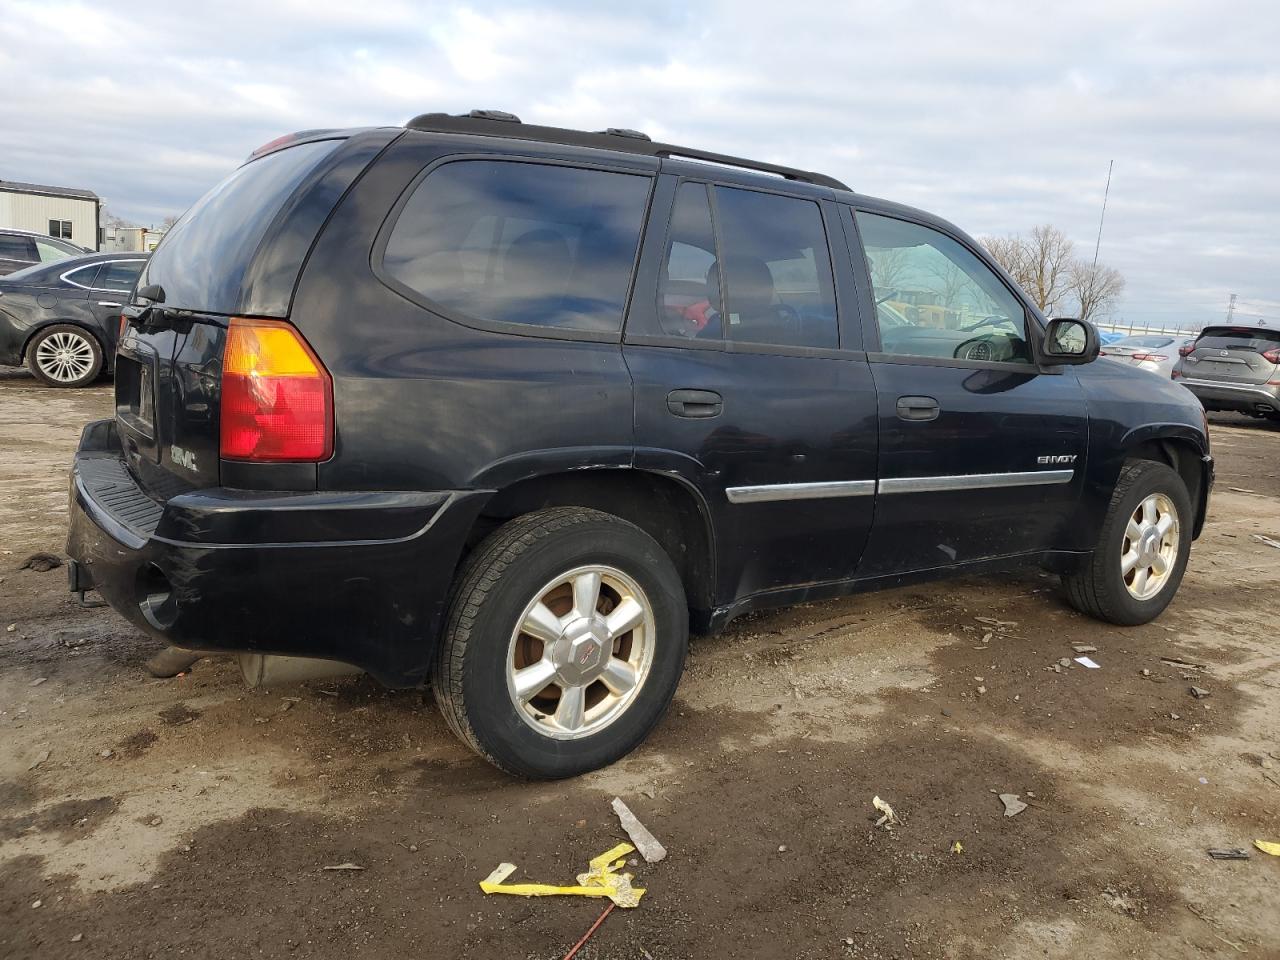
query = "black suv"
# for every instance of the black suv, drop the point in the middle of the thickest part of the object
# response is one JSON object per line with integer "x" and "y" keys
{"x": 509, "y": 409}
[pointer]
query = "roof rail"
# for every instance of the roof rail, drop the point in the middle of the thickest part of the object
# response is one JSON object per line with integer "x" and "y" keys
{"x": 497, "y": 123}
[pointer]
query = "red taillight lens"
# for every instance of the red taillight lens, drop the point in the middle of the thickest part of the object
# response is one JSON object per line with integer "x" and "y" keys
{"x": 1187, "y": 350}
{"x": 277, "y": 397}
{"x": 124, "y": 322}
{"x": 1271, "y": 356}
{"x": 1149, "y": 356}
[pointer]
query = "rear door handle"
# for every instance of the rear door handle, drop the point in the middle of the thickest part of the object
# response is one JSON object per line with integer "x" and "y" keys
{"x": 695, "y": 404}
{"x": 918, "y": 408}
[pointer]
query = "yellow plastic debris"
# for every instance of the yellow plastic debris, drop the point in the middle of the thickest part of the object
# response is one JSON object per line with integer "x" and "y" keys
{"x": 601, "y": 880}
{"x": 957, "y": 847}
{"x": 1268, "y": 846}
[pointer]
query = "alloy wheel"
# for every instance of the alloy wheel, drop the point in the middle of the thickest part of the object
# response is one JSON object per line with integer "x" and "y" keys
{"x": 580, "y": 652}
{"x": 65, "y": 357}
{"x": 1150, "y": 548}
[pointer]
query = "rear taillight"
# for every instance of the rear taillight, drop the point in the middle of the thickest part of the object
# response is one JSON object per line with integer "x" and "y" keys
{"x": 277, "y": 397}
{"x": 124, "y": 322}
{"x": 1271, "y": 356}
{"x": 1187, "y": 350}
{"x": 1149, "y": 356}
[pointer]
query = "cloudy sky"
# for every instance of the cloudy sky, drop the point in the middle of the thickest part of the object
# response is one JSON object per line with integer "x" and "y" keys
{"x": 997, "y": 115}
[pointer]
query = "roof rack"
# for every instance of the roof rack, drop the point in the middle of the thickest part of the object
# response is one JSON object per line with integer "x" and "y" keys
{"x": 498, "y": 123}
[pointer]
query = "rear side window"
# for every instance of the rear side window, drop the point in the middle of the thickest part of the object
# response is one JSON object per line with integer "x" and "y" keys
{"x": 525, "y": 243}
{"x": 16, "y": 248}
{"x": 1241, "y": 338}
{"x": 689, "y": 287}
{"x": 202, "y": 260}
{"x": 776, "y": 269}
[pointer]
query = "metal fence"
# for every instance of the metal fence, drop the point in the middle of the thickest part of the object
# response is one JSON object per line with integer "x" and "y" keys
{"x": 1137, "y": 329}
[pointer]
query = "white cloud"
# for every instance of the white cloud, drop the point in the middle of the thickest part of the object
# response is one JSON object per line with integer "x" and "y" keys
{"x": 996, "y": 114}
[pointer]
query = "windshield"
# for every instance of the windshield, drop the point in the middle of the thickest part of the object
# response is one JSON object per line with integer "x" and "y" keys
{"x": 201, "y": 262}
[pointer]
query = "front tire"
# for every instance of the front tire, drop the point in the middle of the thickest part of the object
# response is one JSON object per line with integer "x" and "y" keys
{"x": 65, "y": 355}
{"x": 1141, "y": 555}
{"x": 565, "y": 640}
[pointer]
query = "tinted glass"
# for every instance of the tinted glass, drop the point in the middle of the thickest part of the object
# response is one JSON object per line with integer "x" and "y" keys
{"x": 1241, "y": 338}
{"x": 202, "y": 259}
{"x": 776, "y": 269}
{"x": 525, "y": 243}
{"x": 935, "y": 298}
{"x": 16, "y": 248}
{"x": 689, "y": 287}
{"x": 119, "y": 275}
{"x": 83, "y": 276}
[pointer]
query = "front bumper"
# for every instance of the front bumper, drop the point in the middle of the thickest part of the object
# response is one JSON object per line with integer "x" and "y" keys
{"x": 361, "y": 577}
{"x": 1248, "y": 397}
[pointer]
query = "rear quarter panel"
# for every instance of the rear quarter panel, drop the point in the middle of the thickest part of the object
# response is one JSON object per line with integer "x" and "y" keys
{"x": 423, "y": 402}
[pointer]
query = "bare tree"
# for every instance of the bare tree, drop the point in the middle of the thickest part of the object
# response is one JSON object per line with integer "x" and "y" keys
{"x": 1011, "y": 253}
{"x": 1095, "y": 288}
{"x": 887, "y": 267}
{"x": 168, "y": 222}
{"x": 1040, "y": 263}
{"x": 114, "y": 222}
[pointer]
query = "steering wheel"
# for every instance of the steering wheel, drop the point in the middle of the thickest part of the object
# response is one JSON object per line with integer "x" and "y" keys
{"x": 977, "y": 348}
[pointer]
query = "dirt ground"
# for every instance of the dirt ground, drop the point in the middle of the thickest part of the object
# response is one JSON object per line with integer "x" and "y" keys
{"x": 193, "y": 817}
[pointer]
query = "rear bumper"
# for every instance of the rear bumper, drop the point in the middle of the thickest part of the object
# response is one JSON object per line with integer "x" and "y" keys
{"x": 361, "y": 577}
{"x": 1218, "y": 395}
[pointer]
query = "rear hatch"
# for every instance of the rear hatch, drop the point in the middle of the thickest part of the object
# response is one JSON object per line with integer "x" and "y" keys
{"x": 237, "y": 252}
{"x": 1234, "y": 355}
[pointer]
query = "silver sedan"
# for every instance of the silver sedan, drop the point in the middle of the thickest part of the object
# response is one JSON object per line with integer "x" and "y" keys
{"x": 1155, "y": 352}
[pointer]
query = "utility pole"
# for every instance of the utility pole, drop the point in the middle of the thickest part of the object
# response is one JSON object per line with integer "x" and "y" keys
{"x": 1231, "y": 308}
{"x": 1102, "y": 219}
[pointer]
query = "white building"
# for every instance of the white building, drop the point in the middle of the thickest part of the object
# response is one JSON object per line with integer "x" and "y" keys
{"x": 74, "y": 215}
{"x": 130, "y": 239}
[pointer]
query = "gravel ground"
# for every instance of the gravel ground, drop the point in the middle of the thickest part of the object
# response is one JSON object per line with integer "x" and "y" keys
{"x": 193, "y": 817}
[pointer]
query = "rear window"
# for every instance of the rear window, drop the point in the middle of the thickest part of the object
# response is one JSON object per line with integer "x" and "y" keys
{"x": 1144, "y": 342}
{"x": 525, "y": 243}
{"x": 1243, "y": 338}
{"x": 202, "y": 260}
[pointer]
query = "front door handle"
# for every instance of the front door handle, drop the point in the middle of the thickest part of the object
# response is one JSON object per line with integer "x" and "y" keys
{"x": 695, "y": 404}
{"x": 918, "y": 408}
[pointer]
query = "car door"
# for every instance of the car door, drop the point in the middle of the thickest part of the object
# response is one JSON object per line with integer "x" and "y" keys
{"x": 981, "y": 449}
{"x": 111, "y": 291}
{"x": 744, "y": 388}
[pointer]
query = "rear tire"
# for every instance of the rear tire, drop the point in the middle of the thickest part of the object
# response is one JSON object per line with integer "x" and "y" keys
{"x": 1141, "y": 555}
{"x": 541, "y": 606}
{"x": 65, "y": 355}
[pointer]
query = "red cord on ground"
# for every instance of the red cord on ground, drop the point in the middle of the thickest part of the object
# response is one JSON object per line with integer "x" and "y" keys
{"x": 587, "y": 936}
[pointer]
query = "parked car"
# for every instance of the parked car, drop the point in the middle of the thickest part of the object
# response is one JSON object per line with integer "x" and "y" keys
{"x": 20, "y": 249}
{"x": 1234, "y": 367}
{"x": 62, "y": 318}
{"x": 1110, "y": 336}
{"x": 508, "y": 409}
{"x": 1156, "y": 353}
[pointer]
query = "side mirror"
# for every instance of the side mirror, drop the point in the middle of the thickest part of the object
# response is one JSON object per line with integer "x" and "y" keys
{"x": 1068, "y": 340}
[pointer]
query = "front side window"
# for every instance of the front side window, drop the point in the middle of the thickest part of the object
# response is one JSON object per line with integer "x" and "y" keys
{"x": 935, "y": 298}
{"x": 119, "y": 276}
{"x": 776, "y": 269}
{"x": 526, "y": 243}
{"x": 60, "y": 228}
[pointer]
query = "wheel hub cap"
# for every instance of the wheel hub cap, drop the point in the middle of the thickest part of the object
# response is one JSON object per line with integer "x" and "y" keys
{"x": 579, "y": 654}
